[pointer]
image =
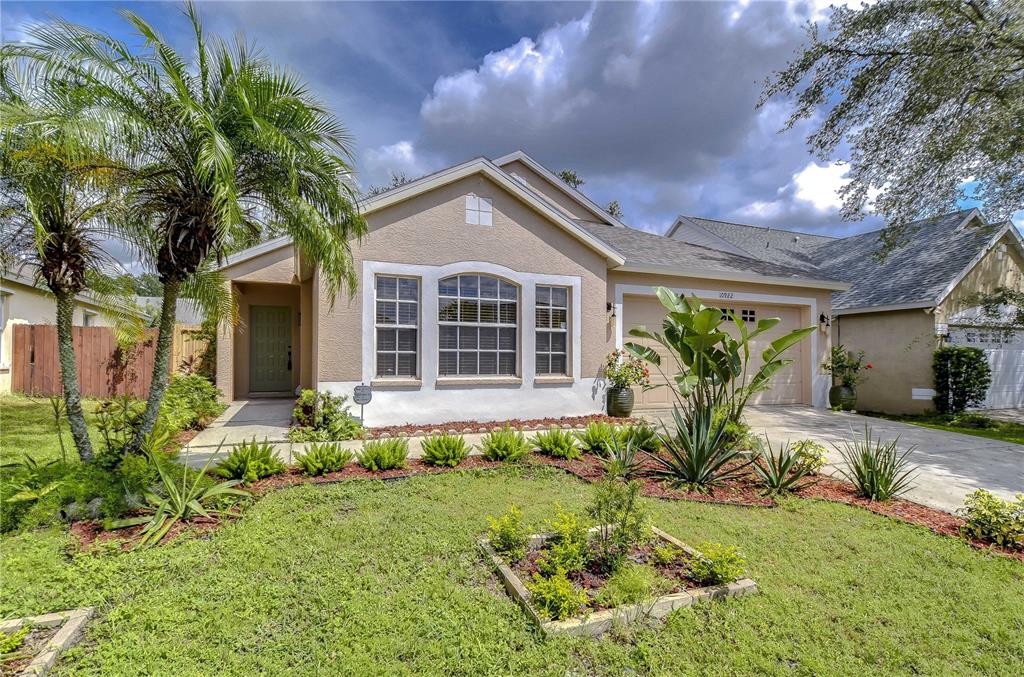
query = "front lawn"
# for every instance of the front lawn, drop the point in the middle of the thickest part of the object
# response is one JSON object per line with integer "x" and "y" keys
{"x": 27, "y": 427}
{"x": 999, "y": 430}
{"x": 368, "y": 577}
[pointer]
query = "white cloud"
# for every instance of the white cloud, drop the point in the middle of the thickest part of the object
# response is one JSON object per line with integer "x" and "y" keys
{"x": 819, "y": 185}
{"x": 396, "y": 158}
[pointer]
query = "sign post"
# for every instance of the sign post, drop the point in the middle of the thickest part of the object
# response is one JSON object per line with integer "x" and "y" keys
{"x": 361, "y": 395}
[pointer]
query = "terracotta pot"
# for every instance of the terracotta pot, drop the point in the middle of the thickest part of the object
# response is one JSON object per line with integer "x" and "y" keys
{"x": 620, "y": 402}
{"x": 844, "y": 397}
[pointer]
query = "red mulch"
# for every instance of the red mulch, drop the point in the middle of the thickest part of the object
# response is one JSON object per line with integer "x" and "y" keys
{"x": 90, "y": 533}
{"x": 742, "y": 491}
{"x": 32, "y": 645}
{"x": 462, "y": 427}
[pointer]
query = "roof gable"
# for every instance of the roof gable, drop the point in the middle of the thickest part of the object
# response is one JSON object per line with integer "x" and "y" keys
{"x": 551, "y": 179}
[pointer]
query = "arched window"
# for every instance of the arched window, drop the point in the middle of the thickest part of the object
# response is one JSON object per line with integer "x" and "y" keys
{"x": 478, "y": 318}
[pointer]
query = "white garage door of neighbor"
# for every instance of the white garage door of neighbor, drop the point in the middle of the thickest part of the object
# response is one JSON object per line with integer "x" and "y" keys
{"x": 1005, "y": 353}
{"x": 786, "y": 386}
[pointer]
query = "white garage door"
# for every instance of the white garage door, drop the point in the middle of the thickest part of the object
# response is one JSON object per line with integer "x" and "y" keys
{"x": 786, "y": 386}
{"x": 1005, "y": 353}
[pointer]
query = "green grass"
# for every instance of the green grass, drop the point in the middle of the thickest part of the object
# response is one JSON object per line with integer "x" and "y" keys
{"x": 393, "y": 583}
{"x": 1001, "y": 430}
{"x": 26, "y": 427}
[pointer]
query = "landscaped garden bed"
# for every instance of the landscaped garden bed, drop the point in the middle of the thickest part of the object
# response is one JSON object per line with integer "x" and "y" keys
{"x": 467, "y": 427}
{"x": 31, "y": 645}
{"x": 667, "y": 560}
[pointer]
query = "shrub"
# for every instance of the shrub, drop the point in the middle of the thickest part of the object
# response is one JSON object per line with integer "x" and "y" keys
{"x": 979, "y": 421}
{"x": 994, "y": 520}
{"x": 632, "y": 584}
{"x": 190, "y": 401}
{"x": 696, "y": 456}
{"x": 621, "y": 460}
{"x": 250, "y": 461}
{"x": 665, "y": 554}
{"x": 811, "y": 455}
{"x": 556, "y": 597}
{"x": 323, "y": 417}
{"x": 445, "y": 449}
{"x": 735, "y": 434}
{"x": 384, "y": 454}
{"x": 504, "y": 445}
{"x": 780, "y": 471}
{"x": 568, "y": 549}
{"x": 641, "y": 436}
{"x": 621, "y": 520}
{"x": 508, "y": 535}
{"x": 323, "y": 458}
{"x": 962, "y": 377}
{"x": 717, "y": 564}
{"x": 596, "y": 437}
{"x": 558, "y": 443}
{"x": 877, "y": 470}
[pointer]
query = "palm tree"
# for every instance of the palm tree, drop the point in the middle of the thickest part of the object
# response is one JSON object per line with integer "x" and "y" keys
{"x": 230, "y": 148}
{"x": 54, "y": 193}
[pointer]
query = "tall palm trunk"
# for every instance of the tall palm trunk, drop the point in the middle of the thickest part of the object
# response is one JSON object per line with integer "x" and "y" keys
{"x": 161, "y": 362}
{"x": 69, "y": 376}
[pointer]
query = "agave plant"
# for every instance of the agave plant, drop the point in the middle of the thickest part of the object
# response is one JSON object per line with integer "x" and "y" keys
{"x": 178, "y": 502}
{"x": 696, "y": 456}
{"x": 782, "y": 470}
{"x": 877, "y": 469}
{"x": 621, "y": 458}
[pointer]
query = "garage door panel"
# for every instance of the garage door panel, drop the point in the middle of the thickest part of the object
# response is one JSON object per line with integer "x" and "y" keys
{"x": 1005, "y": 353}
{"x": 786, "y": 385}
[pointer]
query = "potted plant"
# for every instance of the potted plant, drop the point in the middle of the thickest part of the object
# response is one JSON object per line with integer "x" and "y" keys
{"x": 623, "y": 371}
{"x": 846, "y": 369}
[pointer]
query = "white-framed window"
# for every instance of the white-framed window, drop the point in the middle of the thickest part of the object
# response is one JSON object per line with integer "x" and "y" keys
{"x": 478, "y": 323}
{"x": 478, "y": 210}
{"x": 88, "y": 318}
{"x": 727, "y": 314}
{"x": 748, "y": 315}
{"x": 552, "y": 311}
{"x": 397, "y": 325}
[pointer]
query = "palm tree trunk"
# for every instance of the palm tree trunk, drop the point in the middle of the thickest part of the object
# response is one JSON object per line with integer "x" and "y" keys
{"x": 69, "y": 376}
{"x": 161, "y": 361}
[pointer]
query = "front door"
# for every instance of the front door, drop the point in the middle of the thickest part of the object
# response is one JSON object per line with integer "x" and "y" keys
{"x": 270, "y": 349}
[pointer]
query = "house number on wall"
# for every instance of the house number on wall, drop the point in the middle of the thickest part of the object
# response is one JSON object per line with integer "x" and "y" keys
{"x": 725, "y": 294}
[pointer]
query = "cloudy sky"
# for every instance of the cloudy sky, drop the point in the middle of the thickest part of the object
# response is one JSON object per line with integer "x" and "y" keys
{"x": 653, "y": 104}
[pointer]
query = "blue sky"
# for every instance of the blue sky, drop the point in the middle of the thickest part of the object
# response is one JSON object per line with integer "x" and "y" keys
{"x": 653, "y": 104}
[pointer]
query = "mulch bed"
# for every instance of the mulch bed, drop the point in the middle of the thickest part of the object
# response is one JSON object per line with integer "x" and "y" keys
{"x": 741, "y": 491}
{"x": 91, "y": 534}
{"x": 31, "y": 646}
{"x": 464, "y": 427}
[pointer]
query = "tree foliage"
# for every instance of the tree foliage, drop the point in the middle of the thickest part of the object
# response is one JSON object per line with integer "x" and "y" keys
{"x": 962, "y": 378}
{"x": 927, "y": 94}
{"x": 572, "y": 178}
{"x": 397, "y": 180}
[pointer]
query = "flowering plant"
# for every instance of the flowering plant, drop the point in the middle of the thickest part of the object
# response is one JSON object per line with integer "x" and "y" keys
{"x": 623, "y": 370}
{"x": 845, "y": 366}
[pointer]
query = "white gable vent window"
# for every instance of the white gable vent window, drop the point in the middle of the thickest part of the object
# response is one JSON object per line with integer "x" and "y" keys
{"x": 478, "y": 210}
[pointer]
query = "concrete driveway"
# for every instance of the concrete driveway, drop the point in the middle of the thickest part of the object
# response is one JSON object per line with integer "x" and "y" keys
{"x": 950, "y": 465}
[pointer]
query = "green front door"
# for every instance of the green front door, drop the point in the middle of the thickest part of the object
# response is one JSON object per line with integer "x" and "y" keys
{"x": 270, "y": 349}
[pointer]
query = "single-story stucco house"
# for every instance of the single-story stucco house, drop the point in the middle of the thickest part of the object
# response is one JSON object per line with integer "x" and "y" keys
{"x": 23, "y": 302}
{"x": 899, "y": 309}
{"x": 492, "y": 290}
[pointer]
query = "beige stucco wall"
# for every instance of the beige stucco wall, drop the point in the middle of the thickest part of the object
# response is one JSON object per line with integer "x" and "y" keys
{"x": 822, "y": 299}
{"x": 996, "y": 269}
{"x": 899, "y": 346}
{"x": 539, "y": 184}
{"x": 431, "y": 230}
{"x": 24, "y": 304}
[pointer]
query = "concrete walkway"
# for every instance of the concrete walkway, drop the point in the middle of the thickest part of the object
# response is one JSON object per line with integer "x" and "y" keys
{"x": 950, "y": 465}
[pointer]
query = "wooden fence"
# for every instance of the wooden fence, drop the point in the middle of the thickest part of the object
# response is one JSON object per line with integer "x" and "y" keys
{"x": 104, "y": 370}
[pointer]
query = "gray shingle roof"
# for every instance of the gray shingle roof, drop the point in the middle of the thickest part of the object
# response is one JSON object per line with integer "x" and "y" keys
{"x": 787, "y": 247}
{"x": 916, "y": 273}
{"x": 643, "y": 248}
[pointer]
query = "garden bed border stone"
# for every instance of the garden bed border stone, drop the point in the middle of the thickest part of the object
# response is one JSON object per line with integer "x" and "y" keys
{"x": 72, "y": 628}
{"x": 596, "y": 624}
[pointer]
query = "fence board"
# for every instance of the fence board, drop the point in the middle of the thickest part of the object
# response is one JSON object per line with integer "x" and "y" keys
{"x": 187, "y": 345}
{"x": 104, "y": 370}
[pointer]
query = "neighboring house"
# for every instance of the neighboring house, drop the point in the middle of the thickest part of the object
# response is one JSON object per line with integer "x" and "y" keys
{"x": 898, "y": 310}
{"x": 22, "y": 302}
{"x": 185, "y": 312}
{"x": 492, "y": 290}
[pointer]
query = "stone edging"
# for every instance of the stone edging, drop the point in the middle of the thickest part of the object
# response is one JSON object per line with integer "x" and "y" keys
{"x": 596, "y": 624}
{"x": 72, "y": 626}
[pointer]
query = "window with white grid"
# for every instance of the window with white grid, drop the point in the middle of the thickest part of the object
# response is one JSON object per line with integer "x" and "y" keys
{"x": 727, "y": 314}
{"x": 397, "y": 325}
{"x": 478, "y": 318}
{"x": 478, "y": 210}
{"x": 748, "y": 315}
{"x": 552, "y": 330}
